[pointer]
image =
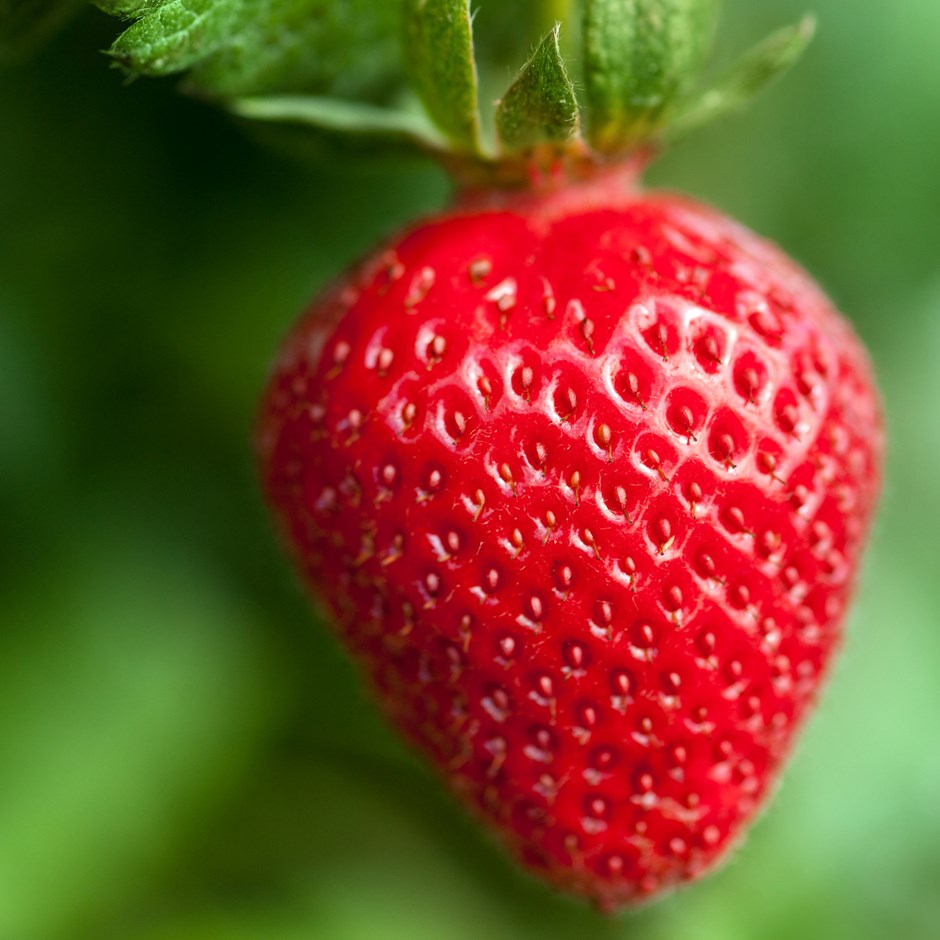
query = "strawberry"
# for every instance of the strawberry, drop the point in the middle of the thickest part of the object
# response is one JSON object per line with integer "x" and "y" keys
{"x": 582, "y": 475}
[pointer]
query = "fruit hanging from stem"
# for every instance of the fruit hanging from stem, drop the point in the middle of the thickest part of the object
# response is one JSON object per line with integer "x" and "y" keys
{"x": 582, "y": 473}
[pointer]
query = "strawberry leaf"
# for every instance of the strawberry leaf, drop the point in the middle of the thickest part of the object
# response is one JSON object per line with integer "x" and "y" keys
{"x": 639, "y": 56}
{"x": 540, "y": 105}
{"x": 258, "y": 47}
{"x": 438, "y": 46}
{"x": 750, "y": 75}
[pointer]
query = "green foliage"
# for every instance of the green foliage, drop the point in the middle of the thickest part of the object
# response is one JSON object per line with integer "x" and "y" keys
{"x": 639, "y": 58}
{"x": 438, "y": 40}
{"x": 257, "y": 47}
{"x": 324, "y": 65}
{"x": 540, "y": 105}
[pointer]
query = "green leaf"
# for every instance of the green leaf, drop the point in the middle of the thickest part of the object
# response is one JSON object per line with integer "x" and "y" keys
{"x": 24, "y": 24}
{"x": 260, "y": 47}
{"x": 540, "y": 105}
{"x": 438, "y": 50}
{"x": 639, "y": 57}
{"x": 356, "y": 124}
{"x": 750, "y": 75}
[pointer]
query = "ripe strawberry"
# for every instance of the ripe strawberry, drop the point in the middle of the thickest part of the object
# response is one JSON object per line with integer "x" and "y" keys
{"x": 582, "y": 475}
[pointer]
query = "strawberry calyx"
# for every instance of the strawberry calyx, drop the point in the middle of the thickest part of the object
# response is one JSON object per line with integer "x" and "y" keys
{"x": 640, "y": 71}
{"x": 617, "y": 78}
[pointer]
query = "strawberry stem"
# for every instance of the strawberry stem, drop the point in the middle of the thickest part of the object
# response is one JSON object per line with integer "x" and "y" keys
{"x": 553, "y": 184}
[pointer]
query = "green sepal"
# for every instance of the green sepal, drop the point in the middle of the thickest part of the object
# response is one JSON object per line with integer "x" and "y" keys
{"x": 749, "y": 76}
{"x": 540, "y": 106}
{"x": 639, "y": 58}
{"x": 320, "y": 68}
{"x": 438, "y": 53}
{"x": 24, "y": 24}
{"x": 352, "y": 124}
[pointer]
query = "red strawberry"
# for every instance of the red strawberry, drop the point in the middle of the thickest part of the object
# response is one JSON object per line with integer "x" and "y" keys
{"x": 583, "y": 481}
{"x": 583, "y": 477}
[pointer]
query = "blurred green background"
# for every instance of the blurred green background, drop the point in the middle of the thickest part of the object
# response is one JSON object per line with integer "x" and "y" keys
{"x": 184, "y": 754}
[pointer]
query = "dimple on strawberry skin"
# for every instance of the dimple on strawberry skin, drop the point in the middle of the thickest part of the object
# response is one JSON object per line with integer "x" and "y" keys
{"x": 582, "y": 473}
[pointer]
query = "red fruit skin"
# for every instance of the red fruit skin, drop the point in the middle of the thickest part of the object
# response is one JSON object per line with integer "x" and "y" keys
{"x": 583, "y": 481}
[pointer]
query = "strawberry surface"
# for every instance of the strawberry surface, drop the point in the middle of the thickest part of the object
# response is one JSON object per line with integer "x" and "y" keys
{"x": 583, "y": 480}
